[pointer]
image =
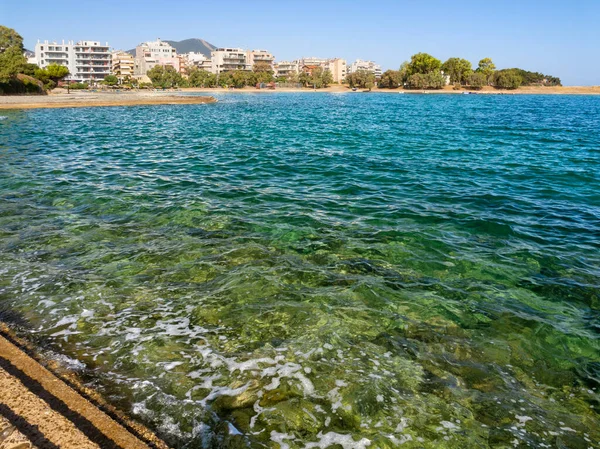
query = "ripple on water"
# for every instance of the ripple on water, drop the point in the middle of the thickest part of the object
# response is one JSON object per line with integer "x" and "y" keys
{"x": 318, "y": 270}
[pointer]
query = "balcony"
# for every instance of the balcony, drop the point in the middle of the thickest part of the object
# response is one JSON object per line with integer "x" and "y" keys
{"x": 95, "y": 52}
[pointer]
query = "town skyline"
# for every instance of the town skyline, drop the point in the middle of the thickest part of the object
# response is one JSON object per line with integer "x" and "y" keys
{"x": 548, "y": 39}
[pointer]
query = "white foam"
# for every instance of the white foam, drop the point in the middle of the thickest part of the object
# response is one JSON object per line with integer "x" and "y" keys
{"x": 278, "y": 438}
{"x": 331, "y": 438}
{"x": 170, "y": 366}
{"x": 449, "y": 425}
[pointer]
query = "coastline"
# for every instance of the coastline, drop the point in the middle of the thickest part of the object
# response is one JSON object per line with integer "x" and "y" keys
{"x": 81, "y": 99}
{"x": 96, "y": 99}
{"x": 45, "y": 406}
{"x": 529, "y": 90}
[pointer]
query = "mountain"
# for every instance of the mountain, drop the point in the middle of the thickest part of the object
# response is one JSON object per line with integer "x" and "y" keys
{"x": 187, "y": 45}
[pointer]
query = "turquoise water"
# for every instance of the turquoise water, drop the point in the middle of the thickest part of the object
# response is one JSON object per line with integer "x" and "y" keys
{"x": 304, "y": 270}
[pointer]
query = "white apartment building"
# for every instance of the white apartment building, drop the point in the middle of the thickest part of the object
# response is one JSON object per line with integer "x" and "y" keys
{"x": 368, "y": 66}
{"x": 285, "y": 68}
{"x": 87, "y": 61}
{"x": 150, "y": 54}
{"x": 193, "y": 59}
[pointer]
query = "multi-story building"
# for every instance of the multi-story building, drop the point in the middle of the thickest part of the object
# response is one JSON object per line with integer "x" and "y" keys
{"x": 87, "y": 61}
{"x": 123, "y": 65}
{"x": 256, "y": 56}
{"x": 199, "y": 60}
{"x": 338, "y": 69}
{"x": 47, "y": 53}
{"x": 92, "y": 61}
{"x": 336, "y": 66}
{"x": 150, "y": 54}
{"x": 285, "y": 68}
{"x": 225, "y": 59}
{"x": 368, "y": 66}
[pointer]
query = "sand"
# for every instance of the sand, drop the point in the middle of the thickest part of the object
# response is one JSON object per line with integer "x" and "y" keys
{"x": 38, "y": 409}
{"x": 94, "y": 99}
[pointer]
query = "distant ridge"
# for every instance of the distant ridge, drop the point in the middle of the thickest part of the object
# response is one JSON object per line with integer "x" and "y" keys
{"x": 188, "y": 45}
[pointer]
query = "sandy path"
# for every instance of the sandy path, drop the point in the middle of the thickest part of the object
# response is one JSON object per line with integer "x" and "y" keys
{"x": 50, "y": 414}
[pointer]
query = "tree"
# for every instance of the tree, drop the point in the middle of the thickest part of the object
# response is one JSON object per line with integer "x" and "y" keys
{"x": 431, "y": 80}
{"x": 477, "y": 80}
{"x": 12, "y": 61}
{"x": 240, "y": 78}
{"x": 360, "y": 78}
{"x": 423, "y": 63}
{"x": 304, "y": 78}
{"x": 458, "y": 69}
{"x": 111, "y": 80}
{"x": 262, "y": 67}
{"x": 435, "y": 80}
{"x": 201, "y": 78}
{"x": 164, "y": 76}
{"x": 225, "y": 79}
{"x": 391, "y": 79}
{"x": 318, "y": 78}
{"x": 51, "y": 75}
{"x": 261, "y": 77}
{"x": 487, "y": 67}
{"x": 508, "y": 79}
{"x": 326, "y": 78}
{"x": 29, "y": 69}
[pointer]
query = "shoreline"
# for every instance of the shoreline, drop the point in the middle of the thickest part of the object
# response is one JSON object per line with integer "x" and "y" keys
{"x": 530, "y": 90}
{"x": 95, "y": 99}
{"x": 45, "y": 405}
{"x": 81, "y": 99}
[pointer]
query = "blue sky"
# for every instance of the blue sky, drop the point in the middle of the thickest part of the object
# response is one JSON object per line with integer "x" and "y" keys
{"x": 553, "y": 37}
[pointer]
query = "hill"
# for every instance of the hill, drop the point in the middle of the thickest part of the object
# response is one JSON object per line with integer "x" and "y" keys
{"x": 187, "y": 45}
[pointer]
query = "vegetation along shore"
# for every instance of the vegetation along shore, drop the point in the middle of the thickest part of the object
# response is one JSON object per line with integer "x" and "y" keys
{"x": 423, "y": 72}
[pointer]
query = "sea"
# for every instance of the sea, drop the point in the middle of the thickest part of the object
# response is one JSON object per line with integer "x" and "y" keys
{"x": 316, "y": 270}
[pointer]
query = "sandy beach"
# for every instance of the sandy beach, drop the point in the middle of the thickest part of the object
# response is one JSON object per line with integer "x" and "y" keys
{"x": 78, "y": 99}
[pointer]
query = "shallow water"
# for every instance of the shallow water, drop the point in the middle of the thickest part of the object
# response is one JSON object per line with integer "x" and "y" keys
{"x": 299, "y": 270}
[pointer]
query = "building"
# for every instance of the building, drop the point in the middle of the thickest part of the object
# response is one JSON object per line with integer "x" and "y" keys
{"x": 368, "y": 66}
{"x": 87, "y": 61}
{"x": 225, "y": 59}
{"x": 285, "y": 68}
{"x": 199, "y": 60}
{"x": 338, "y": 69}
{"x": 256, "y": 56}
{"x": 123, "y": 65}
{"x": 150, "y": 54}
{"x": 336, "y": 66}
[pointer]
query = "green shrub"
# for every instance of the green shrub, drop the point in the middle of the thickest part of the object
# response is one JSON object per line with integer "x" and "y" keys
{"x": 507, "y": 79}
{"x": 78, "y": 86}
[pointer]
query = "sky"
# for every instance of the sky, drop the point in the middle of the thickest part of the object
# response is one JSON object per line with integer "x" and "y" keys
{"x": 556, "y": 38}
